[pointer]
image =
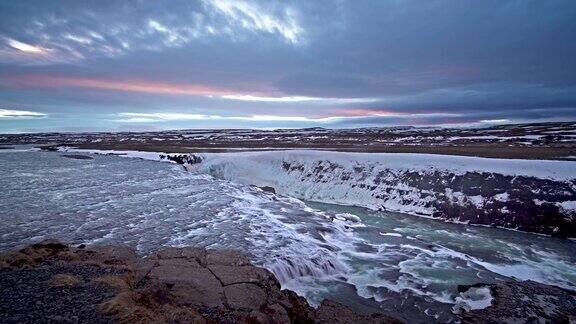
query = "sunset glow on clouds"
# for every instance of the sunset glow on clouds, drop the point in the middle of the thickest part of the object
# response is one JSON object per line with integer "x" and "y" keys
{"x": 46, "y": 82}
{"x": 225, "y": 63}
{"x": 27, "y": 48}
{"x": 326, "y": 120}
{"x": 160, "y": 117}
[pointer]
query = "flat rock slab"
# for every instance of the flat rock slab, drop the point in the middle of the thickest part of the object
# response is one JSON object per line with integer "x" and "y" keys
{"x": 229, "y": 275}
{"x": 245, "y": 296}
{"x": 227, "y": 257}
{"x": 199, "y": 254}
{"x": 189, "y": 282}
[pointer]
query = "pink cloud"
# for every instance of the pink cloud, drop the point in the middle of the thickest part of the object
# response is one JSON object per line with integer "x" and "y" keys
{"x": 141, "y": 86}
{"x": 359, "y": 112}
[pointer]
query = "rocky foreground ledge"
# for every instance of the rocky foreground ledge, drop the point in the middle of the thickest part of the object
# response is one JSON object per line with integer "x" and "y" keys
{"x": 53, "y": 282}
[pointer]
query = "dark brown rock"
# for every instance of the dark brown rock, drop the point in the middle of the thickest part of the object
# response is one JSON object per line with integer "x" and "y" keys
{"x": 245, "y": 296}
{"x": 268, "y": 189}
{"x": 277, "y": 314}
{"x": 198, "y": 254}
{"x": 190, "y": 283}
{"x": 49, "y": 148}
{"x": 44, "y": 249}
{"x": 142, "y": 268}
{"x": 109, "y": 255}
{"x": 176, "y": 285}
{"x": 49, "y": 244}
{"x": 149, "y": 306}
{"x": 243, "y": 274}
{"x": 258, "y": 317}
{"x": 15, "y": 259}
{"x": 331, "y": 312}
{"x": 298, "y": 308}
{"x": 37, "y": 253}
{"x": 65, "y": 280}
{"x": 229, "y": 258}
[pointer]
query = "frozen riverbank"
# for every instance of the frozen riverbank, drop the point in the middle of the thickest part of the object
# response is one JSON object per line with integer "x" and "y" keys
{"x": 534, "y": 196}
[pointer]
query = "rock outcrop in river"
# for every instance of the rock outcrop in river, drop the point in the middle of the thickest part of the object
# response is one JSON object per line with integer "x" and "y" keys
{"x": 525, "y": 302}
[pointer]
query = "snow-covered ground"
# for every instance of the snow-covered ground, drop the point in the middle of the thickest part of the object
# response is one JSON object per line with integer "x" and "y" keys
{"x": 536, "y": 141}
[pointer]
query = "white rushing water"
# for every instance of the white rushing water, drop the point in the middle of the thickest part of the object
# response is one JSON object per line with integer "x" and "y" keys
{"x": 367, "y": 259}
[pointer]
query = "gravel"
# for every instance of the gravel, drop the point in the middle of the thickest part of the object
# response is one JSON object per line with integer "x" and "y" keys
{"x": 27, "y": 295}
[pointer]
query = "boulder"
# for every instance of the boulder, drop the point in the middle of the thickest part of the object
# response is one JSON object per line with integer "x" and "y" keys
{"x": 268, "y": 189}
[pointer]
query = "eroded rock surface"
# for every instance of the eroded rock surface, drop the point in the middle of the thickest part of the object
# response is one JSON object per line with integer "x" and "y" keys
{"x": 188, "y": 285}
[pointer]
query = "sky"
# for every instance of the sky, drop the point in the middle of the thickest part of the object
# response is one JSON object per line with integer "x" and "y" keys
{"x": 154, "y": 65}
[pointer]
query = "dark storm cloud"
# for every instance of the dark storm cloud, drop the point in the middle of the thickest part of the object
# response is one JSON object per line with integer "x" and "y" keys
{"x": 398, "y": 47}
{"x": 367, "y": 62}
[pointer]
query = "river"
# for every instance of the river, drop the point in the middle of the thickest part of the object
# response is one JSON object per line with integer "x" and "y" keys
{"x": 366, "y": 259}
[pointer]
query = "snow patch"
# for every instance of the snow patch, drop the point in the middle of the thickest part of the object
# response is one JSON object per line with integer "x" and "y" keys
{"x": 473, "y": 299}
{"x": 391, "y": 234}
{"x": 477, "y": 201}
{"x": 348, "y": 217}
{"x": 503, "y": 197}
{"x": 568, "y": 205}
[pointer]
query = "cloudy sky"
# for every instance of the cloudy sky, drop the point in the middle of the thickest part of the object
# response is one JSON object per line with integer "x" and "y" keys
{"x": 147, "y": 65}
